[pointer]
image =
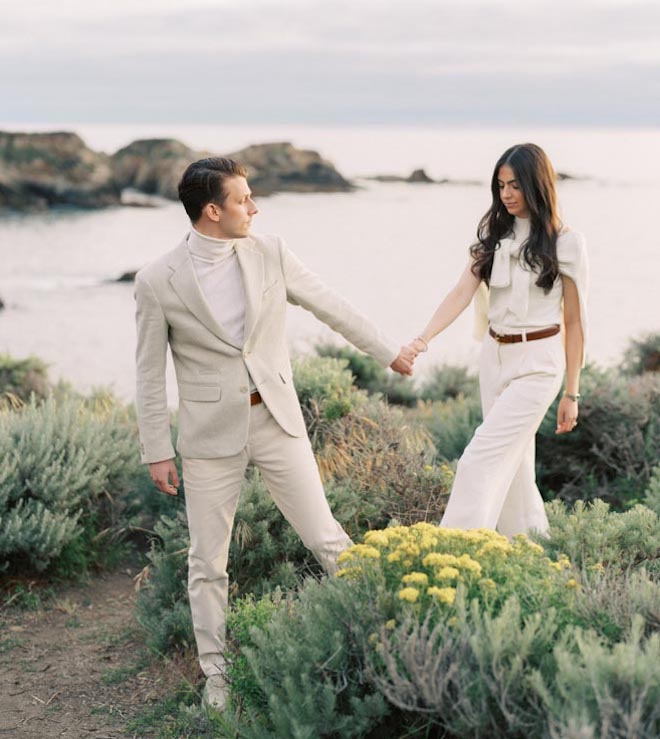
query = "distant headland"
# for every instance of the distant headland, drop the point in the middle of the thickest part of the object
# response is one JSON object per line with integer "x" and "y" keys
{"x": 43, "y": 170}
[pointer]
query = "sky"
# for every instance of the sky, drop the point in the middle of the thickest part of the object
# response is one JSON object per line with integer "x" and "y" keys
{"x": 331, "y": 62}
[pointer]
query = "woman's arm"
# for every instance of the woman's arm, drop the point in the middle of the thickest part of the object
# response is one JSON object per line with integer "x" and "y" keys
{"x": 567, "y": 412}
{"x": 456, "y": 301}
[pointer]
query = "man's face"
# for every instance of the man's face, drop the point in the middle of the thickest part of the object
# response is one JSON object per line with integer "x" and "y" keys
{"x": 234, "y": 216}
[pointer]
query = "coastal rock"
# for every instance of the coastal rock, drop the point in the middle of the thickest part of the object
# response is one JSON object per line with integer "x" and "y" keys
{"x": 419, "y": 175}
{"x": 42, "y": 170}
{"x": 155, "y": 166}
{"x": 279, "y": 166}
{"x": 152, "y": 166}
{"x": 127, "y": 276}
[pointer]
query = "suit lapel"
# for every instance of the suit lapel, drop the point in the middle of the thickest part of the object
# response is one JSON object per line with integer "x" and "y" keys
{"x": 252, "y": 267}
{"x": 186, "y": 286}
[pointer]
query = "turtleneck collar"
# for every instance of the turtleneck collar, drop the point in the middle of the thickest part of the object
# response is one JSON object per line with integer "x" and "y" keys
{"x": 208, "y": 248}
{"x": 521, "y": 228}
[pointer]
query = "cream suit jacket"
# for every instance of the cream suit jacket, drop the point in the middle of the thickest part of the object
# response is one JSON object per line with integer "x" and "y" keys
{"x": 212, "y": 370}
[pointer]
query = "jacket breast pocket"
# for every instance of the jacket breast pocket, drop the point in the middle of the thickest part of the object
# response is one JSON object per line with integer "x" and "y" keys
{"x": 271, "y": 289}
{"x": 199, "y": 392}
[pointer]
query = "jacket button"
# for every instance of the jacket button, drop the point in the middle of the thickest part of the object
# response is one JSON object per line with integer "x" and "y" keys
{"x": 244, "y": 388}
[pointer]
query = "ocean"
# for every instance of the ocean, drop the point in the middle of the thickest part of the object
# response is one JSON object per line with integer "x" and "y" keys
{"x": 393, "y": 249}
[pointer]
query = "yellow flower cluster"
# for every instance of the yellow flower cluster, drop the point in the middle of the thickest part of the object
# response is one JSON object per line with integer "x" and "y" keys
{"x": 443, "y": 595}
{"x": 415, "y": 578}
{"x": 425, "y": 562}
{"x": 409, "y": 594}
{"x": 358, "y": 551}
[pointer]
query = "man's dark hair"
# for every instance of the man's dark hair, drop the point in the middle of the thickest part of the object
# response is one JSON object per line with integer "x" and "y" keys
{"x": 203, "y": 183}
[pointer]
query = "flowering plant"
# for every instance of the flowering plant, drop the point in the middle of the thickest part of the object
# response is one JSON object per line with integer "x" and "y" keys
{"x": 425, "y": 564}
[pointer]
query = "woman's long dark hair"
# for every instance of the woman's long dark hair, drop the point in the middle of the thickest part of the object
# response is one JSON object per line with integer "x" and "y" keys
{"x": 536, "y": 179}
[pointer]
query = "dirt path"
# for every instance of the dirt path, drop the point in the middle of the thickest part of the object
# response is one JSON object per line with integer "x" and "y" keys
{"x": 79, "y": 668}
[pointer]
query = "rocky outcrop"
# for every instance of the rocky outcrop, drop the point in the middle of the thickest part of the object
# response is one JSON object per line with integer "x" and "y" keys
{"x": 152, "y": 166}
{"x": 155, "y": 166}
{"x": 419, "y": 176}
{"x": 126, "y": 276}
{"x": 42, "y": 170}
{"x": 281, "y": 167}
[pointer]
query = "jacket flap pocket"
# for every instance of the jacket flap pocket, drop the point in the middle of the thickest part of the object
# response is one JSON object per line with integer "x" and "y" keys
{"x": 197, "y": 391}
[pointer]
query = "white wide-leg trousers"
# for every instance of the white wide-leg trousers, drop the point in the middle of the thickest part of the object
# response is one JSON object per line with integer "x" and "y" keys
{"x": 213, "y": 486}
{"x": 495, "y": 484}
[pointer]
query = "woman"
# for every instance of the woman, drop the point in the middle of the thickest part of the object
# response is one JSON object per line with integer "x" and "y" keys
{"x": 533, "y": 266}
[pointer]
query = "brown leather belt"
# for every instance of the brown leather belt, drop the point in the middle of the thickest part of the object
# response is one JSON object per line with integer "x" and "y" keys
{"x": 544, "y": 333}
{"x": 255, "y": 397}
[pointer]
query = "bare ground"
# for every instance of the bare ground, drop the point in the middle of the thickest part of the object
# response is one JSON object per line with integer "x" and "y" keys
{"x": 79, "y": 668}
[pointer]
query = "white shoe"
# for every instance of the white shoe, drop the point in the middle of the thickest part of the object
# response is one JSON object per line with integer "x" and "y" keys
{"x": 215, "y": 693}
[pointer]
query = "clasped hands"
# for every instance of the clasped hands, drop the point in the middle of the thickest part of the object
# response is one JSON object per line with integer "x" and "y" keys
{"x": 403, "y": 364}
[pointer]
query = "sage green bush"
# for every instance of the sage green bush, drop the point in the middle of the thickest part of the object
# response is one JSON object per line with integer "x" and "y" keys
{"x": 162, "y": 606}
{"x": 613, "y": 450}
{"x": 435, "y": 632}
{"x": 20, "y": 378}
{"x": 652, "y": 496}
{"x": 448, "y": 382}
{"x": 64, "y": 467}
{"x": 601, "y": 690}
{"x": 642, "y": 355}
{"x": 368, "y": 375}
{"x": 592, "y": 535}
{"x": 451, "y": 424}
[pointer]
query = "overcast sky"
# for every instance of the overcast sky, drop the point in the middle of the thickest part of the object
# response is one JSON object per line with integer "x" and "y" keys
{"x": 476, "y": 62}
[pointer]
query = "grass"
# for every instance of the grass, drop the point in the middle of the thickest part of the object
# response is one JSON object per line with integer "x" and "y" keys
{"x": 9, "y": 643}
{"x": 27, "y": 597}
{"x": 178, "y": 716}
{"x": 118, "y": 675}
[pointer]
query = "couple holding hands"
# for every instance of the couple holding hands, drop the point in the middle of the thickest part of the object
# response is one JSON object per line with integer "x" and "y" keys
{"x": 219, "y": 301}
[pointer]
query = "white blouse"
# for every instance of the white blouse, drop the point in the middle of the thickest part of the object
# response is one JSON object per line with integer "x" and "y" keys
{"x": 515, "y": 303}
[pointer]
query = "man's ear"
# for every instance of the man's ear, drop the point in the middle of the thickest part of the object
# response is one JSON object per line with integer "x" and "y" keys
{"x": 213, "y": 212}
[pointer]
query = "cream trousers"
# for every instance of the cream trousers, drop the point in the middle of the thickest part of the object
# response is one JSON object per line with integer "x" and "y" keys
{"x": 495, "y": 484}
{"x": 213, "y": 487}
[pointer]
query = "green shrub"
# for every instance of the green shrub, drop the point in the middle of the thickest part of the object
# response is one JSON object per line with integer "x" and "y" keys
{"x": 611, "y": 453}
{"x": 433, "y": 632}
{"x": 452, "y": 424}
{"x": 370, "y": 376}
{"x": 593, "y": 536}
{"x": 162, "y": 606}
{"x": 449, "y": 382}
{"x": 605, "y": 691}
{"x": 643, "y": 355}
{"x": 64, "y": 468}
{"x": 310, "y": 670}
{"x": 20, "y": 378}
{"x": 652, "y": 496}
{"x": 325, "y": 390}
{"x": 469, "y": 675}
{"x": 244, "y": 615}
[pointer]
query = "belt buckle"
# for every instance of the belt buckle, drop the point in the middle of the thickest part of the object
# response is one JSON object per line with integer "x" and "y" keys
{"x": 499, "y": 337}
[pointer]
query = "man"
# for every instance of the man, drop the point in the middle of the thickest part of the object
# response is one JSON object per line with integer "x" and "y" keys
{"x": 219, "y": 300}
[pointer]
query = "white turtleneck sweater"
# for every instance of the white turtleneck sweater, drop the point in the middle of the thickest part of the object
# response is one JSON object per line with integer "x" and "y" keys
{"x": 219, "y": 275}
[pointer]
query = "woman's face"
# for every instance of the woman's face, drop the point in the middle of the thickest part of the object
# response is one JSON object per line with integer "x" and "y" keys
{"x": 510, "y": 193}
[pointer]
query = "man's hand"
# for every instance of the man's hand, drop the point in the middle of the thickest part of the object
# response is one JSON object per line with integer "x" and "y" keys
{"x": 161, "y": 472}
{"x": 403, "y": 364}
